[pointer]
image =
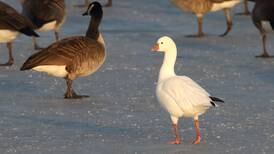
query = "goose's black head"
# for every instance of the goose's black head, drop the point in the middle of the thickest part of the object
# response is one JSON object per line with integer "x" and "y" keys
{"x": 94, "y": 9}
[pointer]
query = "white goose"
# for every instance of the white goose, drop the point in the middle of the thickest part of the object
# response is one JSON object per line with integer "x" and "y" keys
{"x": 180, "y": 95}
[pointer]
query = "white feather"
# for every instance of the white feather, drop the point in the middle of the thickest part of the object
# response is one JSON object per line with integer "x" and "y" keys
{"x": 101, "y": 39}
{"x": 191, "y": 99}
{"x": 7, "y": 36}
{"x": 267, "y": 26}
{"x": 53, "y": 70}
{"x": 225, "y": 4}
{"x": 48, "y": 26}
{"x": 90, "y": 8}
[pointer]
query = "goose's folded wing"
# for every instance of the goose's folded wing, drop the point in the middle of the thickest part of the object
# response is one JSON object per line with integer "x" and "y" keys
{"x": 41, "y": 14}
{"x": 184, "y": 5}
{"x": 192, "y": 5}
{"x": 11, "y": 19}
{"x": 186, "y": 92}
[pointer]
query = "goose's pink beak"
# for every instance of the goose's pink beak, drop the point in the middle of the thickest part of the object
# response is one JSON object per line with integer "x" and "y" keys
{"x": 155, "y": 48}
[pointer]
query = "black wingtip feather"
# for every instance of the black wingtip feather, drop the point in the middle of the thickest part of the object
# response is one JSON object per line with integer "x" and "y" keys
{"x": 29, "y": 32}
{"x": 213, "y": 104}
{"x": 25, "y": 66}
{"x": 40, "y": 23}
{"x": 215, "y": 99}
{"x": 23, "y": 69}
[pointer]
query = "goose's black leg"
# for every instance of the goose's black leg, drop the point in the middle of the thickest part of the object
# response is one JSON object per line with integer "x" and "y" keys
{"x": 36, "y": 46}
{"x": 246, "y": 11}
{"x": 56, "y": 33}
{"x": 265, "y": 53}
{"x": 228, "y": 22}
{"x": 70, "y": 94}
{"x": 11, "y": 60}
{"x": 200, "y": 27}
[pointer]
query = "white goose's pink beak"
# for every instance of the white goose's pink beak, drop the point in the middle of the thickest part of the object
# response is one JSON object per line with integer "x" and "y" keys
{"x": 155, "y": 48}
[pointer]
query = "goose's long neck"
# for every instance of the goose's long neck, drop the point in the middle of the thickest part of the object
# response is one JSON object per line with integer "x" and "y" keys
{"x": 93, "y": 29}
{"x": 167, "y": 69}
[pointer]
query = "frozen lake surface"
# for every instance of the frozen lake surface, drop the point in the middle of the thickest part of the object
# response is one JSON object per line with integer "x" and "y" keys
{"x": 122, "y": 114}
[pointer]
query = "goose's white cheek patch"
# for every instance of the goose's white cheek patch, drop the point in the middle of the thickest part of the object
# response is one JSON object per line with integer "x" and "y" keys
{"x": 53, "y": 70}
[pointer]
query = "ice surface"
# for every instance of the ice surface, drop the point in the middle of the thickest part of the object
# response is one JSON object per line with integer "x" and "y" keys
{"x": 122, "y": 114}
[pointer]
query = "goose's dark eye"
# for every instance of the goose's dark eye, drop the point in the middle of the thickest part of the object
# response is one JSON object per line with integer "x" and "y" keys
{"x": 162, "y": 42}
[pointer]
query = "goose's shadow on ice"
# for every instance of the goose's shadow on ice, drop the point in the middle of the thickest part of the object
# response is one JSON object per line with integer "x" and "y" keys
{"x": 266, "y": 76}
{"x": 200, "y": 43}
{"x": 76, "y": 125}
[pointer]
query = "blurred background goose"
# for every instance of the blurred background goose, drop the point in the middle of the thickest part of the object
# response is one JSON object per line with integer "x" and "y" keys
{"x": 180, "y": 95}
{"x": 46, "y": 15}
{"x": 201, "y": 7}
{"x": 11, "y": 24}
{"x": 73, "y": 57}
{"x": 263, "y": 19}
{"x": 108, "y": 4}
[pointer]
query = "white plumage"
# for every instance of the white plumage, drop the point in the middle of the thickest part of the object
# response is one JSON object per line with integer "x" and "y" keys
{"x": 48, "y": 26}
{"x": 189, "y": 98}
{"x": 179, "y": 95}
{"x": 7, "y": 35}
{"x": 267, "y": 26}
{"x": 54, "y": 70}
{"x": 225, "y": 4}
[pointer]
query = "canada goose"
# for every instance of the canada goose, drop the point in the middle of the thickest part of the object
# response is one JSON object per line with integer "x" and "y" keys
{"x": 46, "y": 15}
{"x": 263, "y": 19}
{"x": 180, "y": 95}
{"x": 201, "y": 7}
{"x": 108, "y": 4}
{"x": 11, "y": 23}
{"x": 73, "y": 57}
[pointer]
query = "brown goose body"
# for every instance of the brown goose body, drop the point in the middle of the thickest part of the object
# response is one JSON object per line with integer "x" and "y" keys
{"x": 193, "y": 6}
{"x": 79, "y": 56}
{"x": 46, "y": 15}
{"x": 12, "y": 23}
{"x": 201, "y": 7}
{"x": 73, "y": 57}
